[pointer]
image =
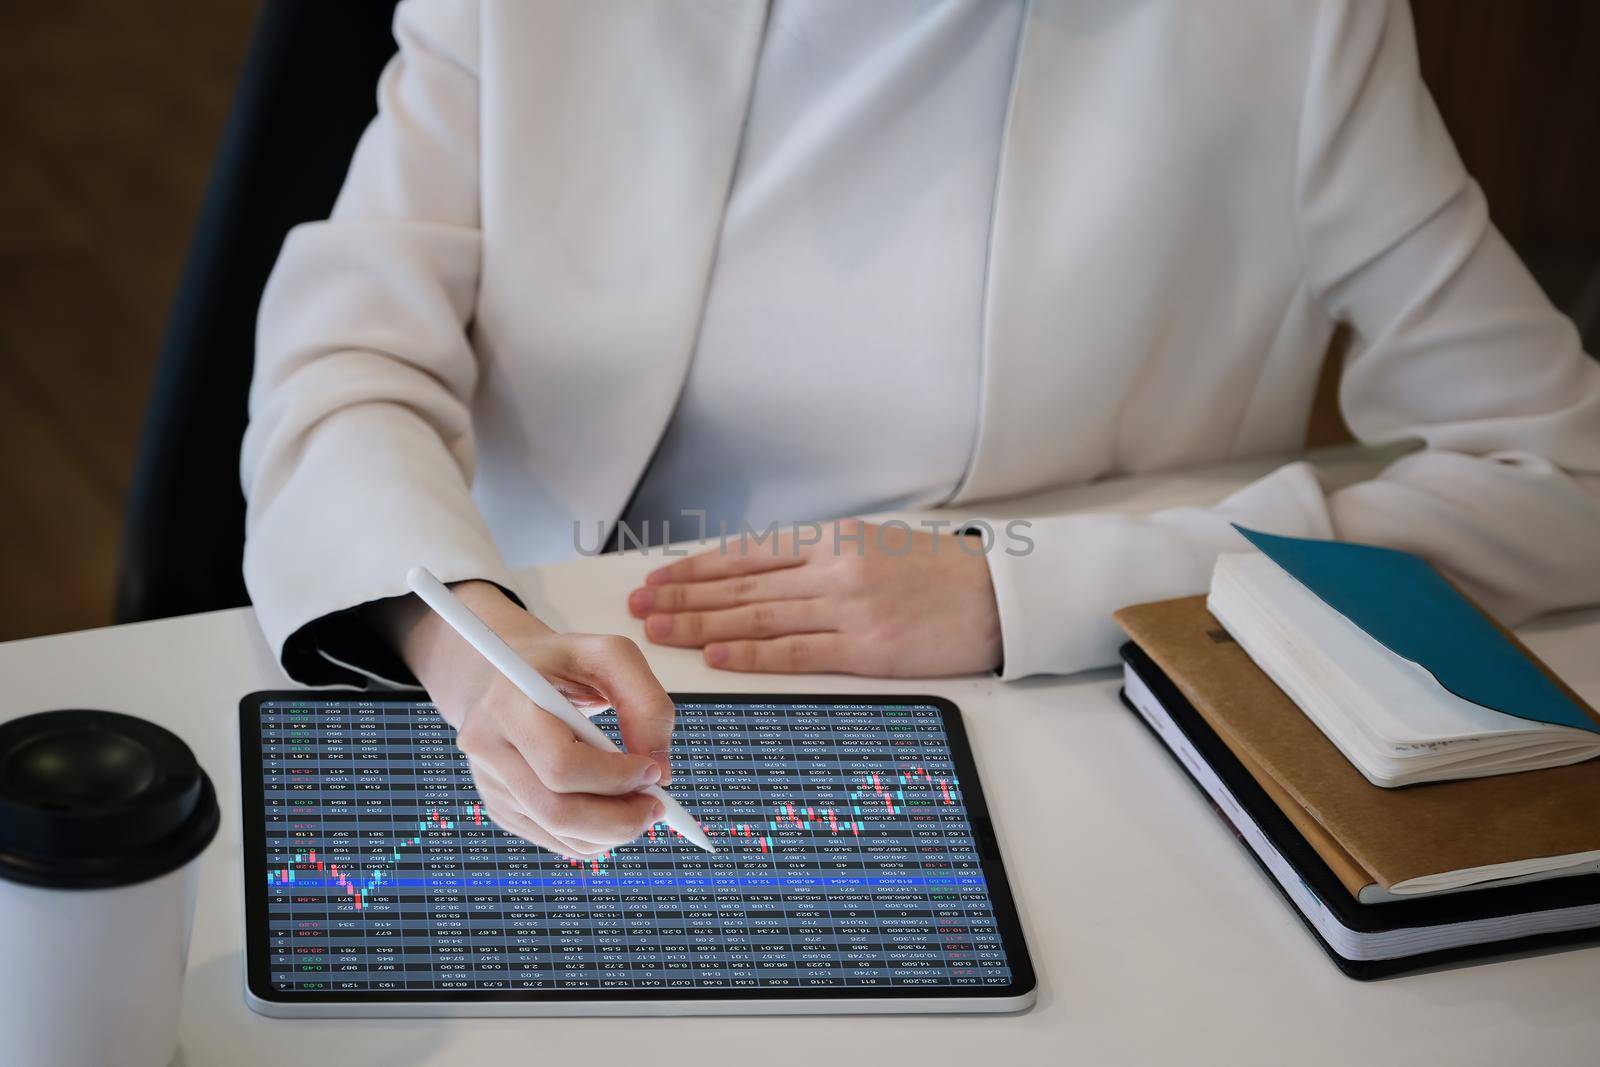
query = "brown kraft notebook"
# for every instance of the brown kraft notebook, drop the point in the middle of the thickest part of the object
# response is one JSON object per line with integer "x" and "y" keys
{"x": 1366, "y": 834}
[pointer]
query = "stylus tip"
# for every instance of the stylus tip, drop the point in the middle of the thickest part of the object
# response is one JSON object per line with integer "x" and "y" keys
{"x": 698, "y": 838}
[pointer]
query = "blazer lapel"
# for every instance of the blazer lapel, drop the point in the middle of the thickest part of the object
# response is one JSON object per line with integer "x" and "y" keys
{"x": 1043, "y": 412}
{"x": 607, "y": 159}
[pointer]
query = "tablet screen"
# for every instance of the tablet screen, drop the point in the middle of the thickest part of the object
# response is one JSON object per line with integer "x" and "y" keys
{"x": 848, "y": 861}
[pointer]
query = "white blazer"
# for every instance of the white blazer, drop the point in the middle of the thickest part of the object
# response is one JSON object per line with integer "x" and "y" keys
{"x": 487, "y": 339}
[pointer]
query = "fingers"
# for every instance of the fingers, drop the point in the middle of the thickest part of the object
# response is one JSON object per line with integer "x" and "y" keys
{"x": 582, "y": 817}
{"x": 540, "y": 781}
{"x": 743, "y": 557}
{"x": 645, "y": 713}
{"x": 566, "y": 765}
{"x": 794, "y": 654}
{"x": 694, "y": 629}
{"x": 790, "y": 583}
{"x": 501, "y": 808}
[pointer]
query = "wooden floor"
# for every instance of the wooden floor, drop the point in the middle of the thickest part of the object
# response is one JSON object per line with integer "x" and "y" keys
{"x": 109, "y": 115}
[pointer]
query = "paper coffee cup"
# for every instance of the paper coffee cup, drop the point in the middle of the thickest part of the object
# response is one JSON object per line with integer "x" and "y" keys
{"x": 102, "y": 817}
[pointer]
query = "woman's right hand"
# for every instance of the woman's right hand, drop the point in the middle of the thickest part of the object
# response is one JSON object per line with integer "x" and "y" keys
{"x": 536, "y": 778}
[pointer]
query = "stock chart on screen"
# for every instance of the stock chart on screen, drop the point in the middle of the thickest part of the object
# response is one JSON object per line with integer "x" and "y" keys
{"x": 845, "y": 859}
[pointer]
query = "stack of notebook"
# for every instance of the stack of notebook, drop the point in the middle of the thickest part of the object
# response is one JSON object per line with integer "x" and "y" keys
{"x": 1298, "y": 722}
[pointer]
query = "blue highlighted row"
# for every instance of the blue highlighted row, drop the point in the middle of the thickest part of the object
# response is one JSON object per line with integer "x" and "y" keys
{"x": 975, "y": 880}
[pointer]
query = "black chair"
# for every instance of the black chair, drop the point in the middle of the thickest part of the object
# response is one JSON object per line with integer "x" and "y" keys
{"x": 306, "y": 91}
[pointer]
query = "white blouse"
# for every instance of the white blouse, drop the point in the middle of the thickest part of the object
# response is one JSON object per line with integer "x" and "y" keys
{"x": 849, "y": 276}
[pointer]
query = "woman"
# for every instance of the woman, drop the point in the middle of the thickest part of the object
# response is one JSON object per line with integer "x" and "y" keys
{"x": 791, "y": 261}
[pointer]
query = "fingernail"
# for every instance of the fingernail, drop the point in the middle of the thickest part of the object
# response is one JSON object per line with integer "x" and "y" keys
{"x": 717, "y": 655}
{"x": 660, "y": 756}
{"x": 658, "y": 625}
{"x": 640, "y": 600}
{"x": 650, "y": 774}
{"x": 656, "y": 577}
{"x": 658, "y": 812}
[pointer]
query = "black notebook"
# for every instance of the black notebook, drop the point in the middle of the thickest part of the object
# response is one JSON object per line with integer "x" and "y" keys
{"x": 1365, "y": 941}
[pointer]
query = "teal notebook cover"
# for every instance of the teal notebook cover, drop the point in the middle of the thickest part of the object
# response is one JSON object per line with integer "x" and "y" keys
{"x": 1408, "y": 607}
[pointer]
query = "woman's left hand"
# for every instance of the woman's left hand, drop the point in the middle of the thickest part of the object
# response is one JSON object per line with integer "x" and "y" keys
{"x": 863, "y": 599}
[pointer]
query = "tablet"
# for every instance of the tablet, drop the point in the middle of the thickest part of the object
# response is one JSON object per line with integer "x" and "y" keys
{"x": 856, "y": 871}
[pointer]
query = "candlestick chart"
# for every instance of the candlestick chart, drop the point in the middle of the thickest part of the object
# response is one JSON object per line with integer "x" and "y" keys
{"x": 845, "y": 857}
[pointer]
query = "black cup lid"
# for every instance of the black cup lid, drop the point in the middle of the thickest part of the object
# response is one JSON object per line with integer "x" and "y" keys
{"x": 90, "y": 799}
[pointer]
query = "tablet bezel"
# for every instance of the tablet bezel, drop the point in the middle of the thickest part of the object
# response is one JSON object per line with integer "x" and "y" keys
{"x": 262, "y": 997}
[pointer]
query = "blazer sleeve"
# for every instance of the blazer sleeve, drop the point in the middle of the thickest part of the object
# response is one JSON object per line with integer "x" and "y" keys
{"x": 1456, "y": 346}
{"x": 359, "y": 452}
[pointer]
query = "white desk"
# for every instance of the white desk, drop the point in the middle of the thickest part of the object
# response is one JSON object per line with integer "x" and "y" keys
{"x": 1155, "y": 937}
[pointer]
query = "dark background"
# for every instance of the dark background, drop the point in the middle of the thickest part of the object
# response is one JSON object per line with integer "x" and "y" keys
{"x": 110, "y": 113}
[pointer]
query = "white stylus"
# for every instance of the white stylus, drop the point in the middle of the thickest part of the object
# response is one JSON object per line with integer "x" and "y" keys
{"x": 521, "y": 674}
